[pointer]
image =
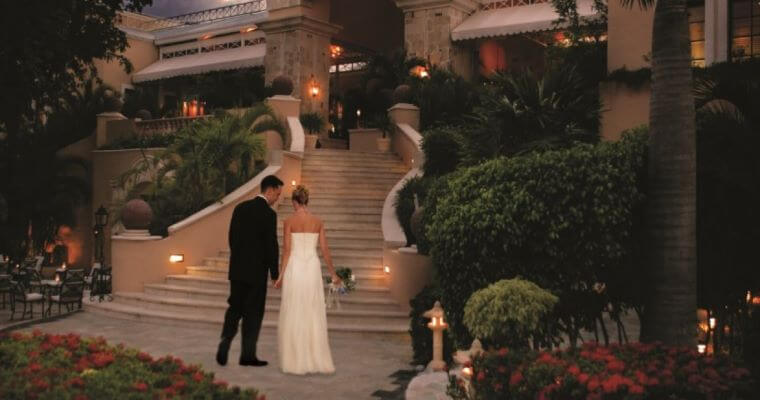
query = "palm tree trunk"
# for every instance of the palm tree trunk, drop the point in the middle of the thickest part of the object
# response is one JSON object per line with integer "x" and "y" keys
{"x": 670, "y": 315}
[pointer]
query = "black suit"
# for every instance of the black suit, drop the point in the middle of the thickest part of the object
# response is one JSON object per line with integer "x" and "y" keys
{"x": 253, "y": 252}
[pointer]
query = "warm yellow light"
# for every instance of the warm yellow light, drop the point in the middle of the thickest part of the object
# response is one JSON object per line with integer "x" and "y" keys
{"x": 423, "y": 74}
{"x": 387, "y": 269}
{"x": 467, "y": 371}
{"x": 177, "y": 258}
{"x": 358, "y": 113}
{"x": 57, "y": 278}
{"x": 749, "y": 296}
{"x": 712, "y": 323}
{"x": 63, "y": 266}
{"x": 314, "y": 91}
{"x": 292, "y": 183}
{"x": 335, "y": 51}
{"x": 251, "y": 29}
{"x": 701, "y": 348}
{"x": 206, "y": 37}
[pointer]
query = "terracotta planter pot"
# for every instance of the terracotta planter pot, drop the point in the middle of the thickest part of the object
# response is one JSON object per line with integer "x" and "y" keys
{"x": 383, "y": 144}
{"x": 311, "y": 141}
{"x": 136, "y": 215}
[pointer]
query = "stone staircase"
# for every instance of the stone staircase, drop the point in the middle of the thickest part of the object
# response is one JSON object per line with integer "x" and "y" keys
{"x": 347, "y": 191}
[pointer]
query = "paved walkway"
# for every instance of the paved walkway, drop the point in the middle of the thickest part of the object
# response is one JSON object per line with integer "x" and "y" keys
{"x": 366, "y": 364}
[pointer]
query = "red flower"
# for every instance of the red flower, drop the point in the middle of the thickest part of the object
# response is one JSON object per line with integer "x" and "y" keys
{"x": 33, "y": 354}
{"x": 503, "y": 351}
{"x": 93, "y": 347}
{"x": 583, "y": 378}
{"x": 502, "y": 369}
{"x": 18, "y": 336}
{"x": 102, "y": 359}
{"x": 140, "y": 386}
{"x": 76, "y": 382}
{"x": 574, "y": 370}
{"x": 221, "y": 383}
{"x": 36, "y": 333}
{"x": 179, "y": 384}
{"x": 262, "y": 397}
{"x": 497, "y": 387}
{"x": 40, "y": 384}
{"x": 615, "y": 366}
{"x": 197, "y": 376}
{"x": 81, "y": 397}
{"x": 35, "y": 367}
{"x": 516, "y": 378}
{"x": 636, "y": 389}
{"x": 82, "y": 364}
{"x": 170, "y": 392}
{"x": 481, "y": 376}
{"x": 144, "y": 357}
{"x": 593, "y": 384}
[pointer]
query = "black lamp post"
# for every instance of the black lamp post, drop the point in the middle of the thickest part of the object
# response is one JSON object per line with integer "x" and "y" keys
{"x": 101, "y": 221}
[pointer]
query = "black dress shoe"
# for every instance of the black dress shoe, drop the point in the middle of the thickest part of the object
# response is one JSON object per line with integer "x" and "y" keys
{"x": 221, "y": 352}
{"x": 253, "y": 363}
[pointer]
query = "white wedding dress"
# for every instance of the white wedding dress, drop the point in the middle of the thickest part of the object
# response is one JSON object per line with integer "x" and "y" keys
{"x": 302, "y": 328}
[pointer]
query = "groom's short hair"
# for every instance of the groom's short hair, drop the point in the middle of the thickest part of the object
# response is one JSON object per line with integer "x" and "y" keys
{"x": 270, "y": 181}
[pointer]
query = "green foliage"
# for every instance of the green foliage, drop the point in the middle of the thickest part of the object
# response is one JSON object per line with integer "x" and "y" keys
{"x": 632, "y": 78}
{"x": 143, "y": 97}
{"x": 444, "y": 98}
{"x": 422, "y": 336}
{"x": 443, "y": 150}
{"x": 313, "y": 122}
{"x": 141, "y": 142}
{"x": 45, "y": 366}
{"x": 205, "y": 161}
{"x": 404, "y": 204}
{"x": 381, "y": 122}
{"x": 520, "y": 112}
{"x": 508, "y": 312}
{"x": 225, "y": 89}
{"x": 630, "y": 372}
{"x": 561, "y": 219}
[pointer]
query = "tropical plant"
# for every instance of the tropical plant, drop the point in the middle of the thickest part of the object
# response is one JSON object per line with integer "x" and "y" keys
{"x": 520, "y": 111}
{"x": 205, "y": 161}
{"x": 313, "y": 122}
{"x": 443, "y": 150}
{"x": 508, "y": 313}
{"x": 384, "y": 73}
{"x": 382, "y": 122}
{"x": 444, "y": 98}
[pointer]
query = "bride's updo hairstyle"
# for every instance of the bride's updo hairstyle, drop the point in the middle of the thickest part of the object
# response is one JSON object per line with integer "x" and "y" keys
{"x": 300, "y": 195}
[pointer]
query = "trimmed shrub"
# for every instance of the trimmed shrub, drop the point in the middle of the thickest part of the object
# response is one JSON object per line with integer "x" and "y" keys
{"x": 562, "y": 219}
{"x": 422, "y": 336}
{"x": 48, "y": 366}
{"x": 508, "y": 312}
{"x": 443, "y": 151}
{"x": 312, "y": 122}
{"x": 631, "y": 372}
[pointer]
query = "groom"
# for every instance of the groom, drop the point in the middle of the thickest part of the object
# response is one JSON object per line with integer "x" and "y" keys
{"x": 253, "y": 253}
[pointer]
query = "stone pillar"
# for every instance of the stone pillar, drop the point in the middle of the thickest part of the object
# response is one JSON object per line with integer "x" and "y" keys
{"x": 101, "y": 130}
{"x": 427, "y": 31}
{"x": 716, "y": 31}
{"x": 298, "y": 46}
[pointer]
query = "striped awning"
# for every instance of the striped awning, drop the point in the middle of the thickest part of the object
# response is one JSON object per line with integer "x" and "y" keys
{"x": 220, "y": 60}
{"x": 514, "y": 20}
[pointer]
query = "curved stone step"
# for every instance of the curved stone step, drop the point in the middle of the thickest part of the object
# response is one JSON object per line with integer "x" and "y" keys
{"x": 330, "y": 218}
{"x": 190, "y": 320}
{"x": 358, "y": 168}
{"x": 354, "y": 300}
{"x": 317, "y": 173}
{"x": 202, "y": 282}
{"x": 366, "y": 277}
{"x": 337, "y": 201}
{"x": 320, "y": 210}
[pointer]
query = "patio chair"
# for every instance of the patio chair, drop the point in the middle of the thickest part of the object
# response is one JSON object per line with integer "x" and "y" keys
{"x": 69, "y": 293}
{"x": 33, "y": 281}
{"x": 101, "y": 284}
{"x": 90, "y": 278}
{"x": 5, "y": 289}
{"x": 19, "y": 295}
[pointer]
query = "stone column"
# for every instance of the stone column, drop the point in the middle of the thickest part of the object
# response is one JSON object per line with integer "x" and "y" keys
{"x": 427, "y": 31}
{"x": 298, "y": 46}
{"x": 716, "y": 31}
{"x": 101, "y": 130}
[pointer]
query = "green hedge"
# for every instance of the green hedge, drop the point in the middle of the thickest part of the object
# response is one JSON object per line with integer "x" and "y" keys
{"x": 561, "y": 219}
{"x": 44, "y": 366}
{"x": 443, "y": 151}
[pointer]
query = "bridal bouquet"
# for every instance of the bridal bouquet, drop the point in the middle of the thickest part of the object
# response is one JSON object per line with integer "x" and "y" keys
{"x": 347, "y": 285}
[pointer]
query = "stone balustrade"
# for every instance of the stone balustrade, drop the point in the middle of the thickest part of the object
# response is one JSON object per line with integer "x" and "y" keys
{"x": 165, "y": 125}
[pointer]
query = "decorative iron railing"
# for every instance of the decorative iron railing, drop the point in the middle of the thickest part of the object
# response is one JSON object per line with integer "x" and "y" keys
{"x": 496, "y": 4}
{"x": 165, "y": 125}
{"x": 205, "y": 16}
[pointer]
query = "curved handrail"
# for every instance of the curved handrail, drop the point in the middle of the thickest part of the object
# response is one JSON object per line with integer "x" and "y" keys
{"x": 393, "y": 234}
{"x": 297, "y": 138}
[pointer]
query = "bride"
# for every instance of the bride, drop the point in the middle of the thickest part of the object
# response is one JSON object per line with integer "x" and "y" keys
{"x": 302, "y": 328}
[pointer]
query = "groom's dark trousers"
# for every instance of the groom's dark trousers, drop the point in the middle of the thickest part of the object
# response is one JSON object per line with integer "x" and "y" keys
{"x": 253, "y": 254}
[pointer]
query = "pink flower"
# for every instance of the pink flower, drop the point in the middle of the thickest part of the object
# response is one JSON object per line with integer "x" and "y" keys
{"x": 516, "y": 378}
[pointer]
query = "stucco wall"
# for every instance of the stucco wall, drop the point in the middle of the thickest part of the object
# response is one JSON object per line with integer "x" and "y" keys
{"x": 140, "y": 53}
{"x": 427, "y": 34}
{"x": 629, "y": 44}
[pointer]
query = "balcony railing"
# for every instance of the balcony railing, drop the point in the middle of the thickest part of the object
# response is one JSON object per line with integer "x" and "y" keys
{"x": 205, "y": 16}
{"x": 165, "y": 125}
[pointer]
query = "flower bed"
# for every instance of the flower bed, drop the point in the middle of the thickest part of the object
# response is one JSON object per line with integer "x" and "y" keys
{"x": 629, "y": 372}
{"x": 44, "y": 366}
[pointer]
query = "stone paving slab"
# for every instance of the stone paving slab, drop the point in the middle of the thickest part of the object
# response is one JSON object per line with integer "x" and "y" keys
{"x": 365, "y": 364}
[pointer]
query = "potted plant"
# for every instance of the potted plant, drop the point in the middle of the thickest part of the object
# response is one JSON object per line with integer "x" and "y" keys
{"x": 385, "y": 126}
{"x": 313, "y": 123}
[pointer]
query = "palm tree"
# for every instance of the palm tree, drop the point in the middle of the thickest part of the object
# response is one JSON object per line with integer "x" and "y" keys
{"x": 670, "y": 312}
